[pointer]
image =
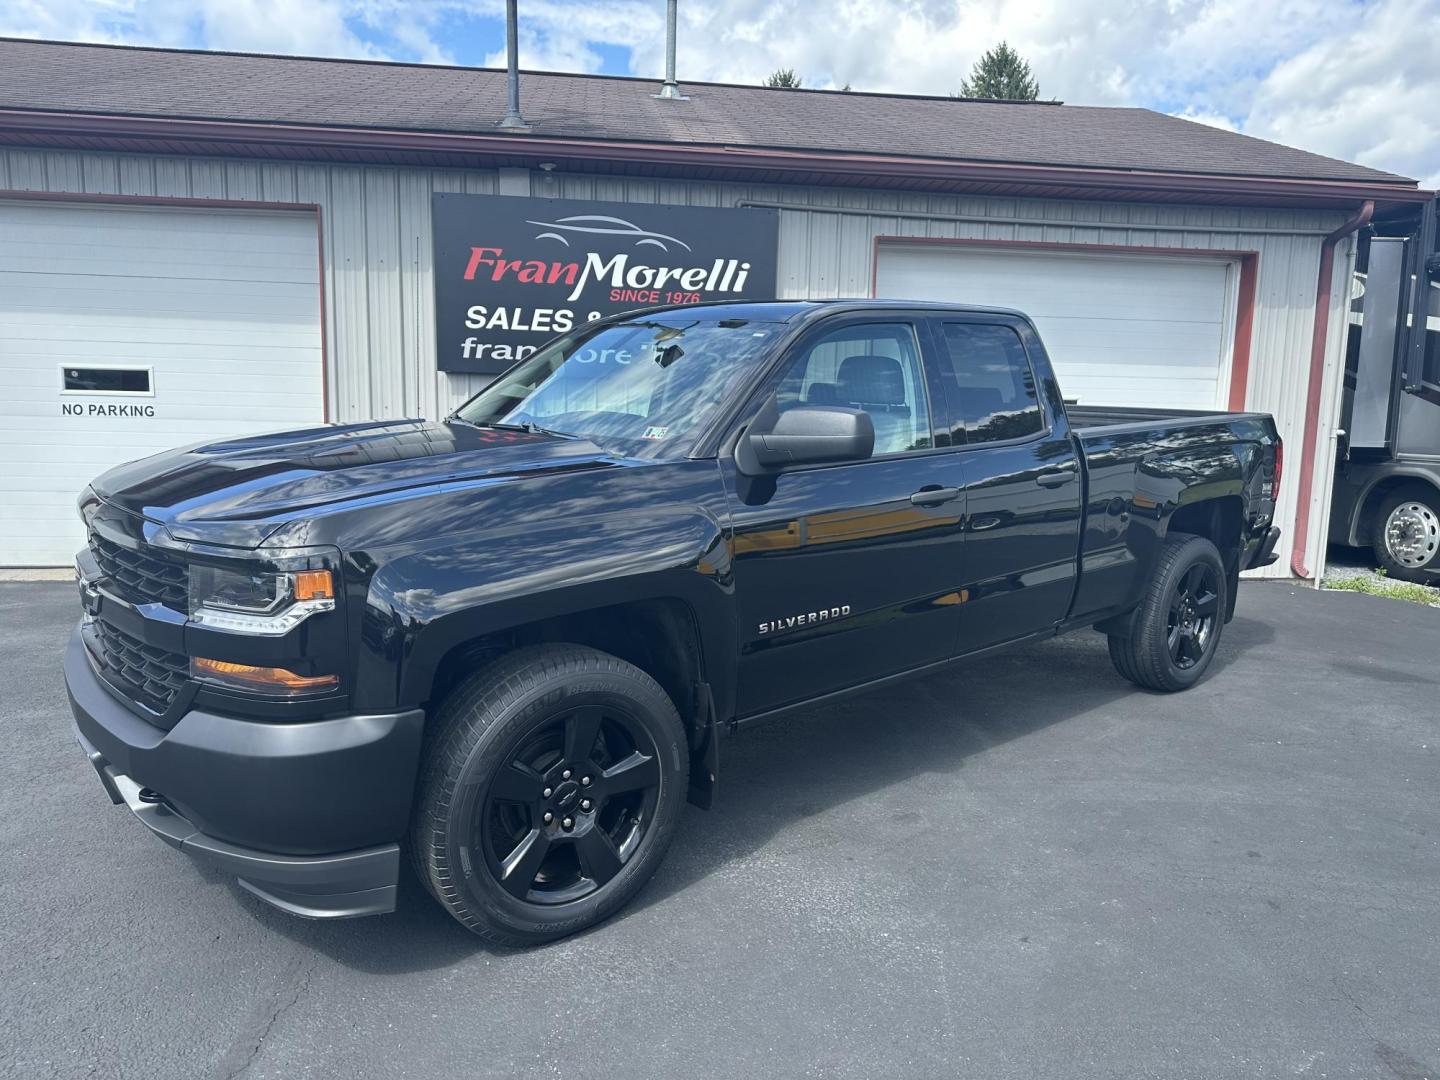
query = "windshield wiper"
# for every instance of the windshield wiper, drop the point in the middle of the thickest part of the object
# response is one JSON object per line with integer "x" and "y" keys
{"x": 527, "y": 426}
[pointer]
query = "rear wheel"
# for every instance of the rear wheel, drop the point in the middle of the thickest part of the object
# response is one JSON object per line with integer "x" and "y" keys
{"x": 1174, "y": 632}
{"x": 549, "y": 793}
{"x": 1406, "y": 534}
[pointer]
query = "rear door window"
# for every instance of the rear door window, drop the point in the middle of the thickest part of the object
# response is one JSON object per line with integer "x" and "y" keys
{"x": 990, "y": 382}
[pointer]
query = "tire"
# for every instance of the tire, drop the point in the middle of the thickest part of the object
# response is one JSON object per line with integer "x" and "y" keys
{"x": 1406, "y": 533}
{"x": 496, "y": 763}
{"x": 1174, "y": 631}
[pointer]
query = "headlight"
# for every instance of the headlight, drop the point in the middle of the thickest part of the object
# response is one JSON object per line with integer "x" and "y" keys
{"x": 258, "y": 602}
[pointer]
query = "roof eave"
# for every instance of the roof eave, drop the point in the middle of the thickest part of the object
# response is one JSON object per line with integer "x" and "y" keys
{"x": 231, "y": 138}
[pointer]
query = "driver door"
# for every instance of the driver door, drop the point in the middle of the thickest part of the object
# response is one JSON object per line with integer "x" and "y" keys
{"x": 846, "y": 572}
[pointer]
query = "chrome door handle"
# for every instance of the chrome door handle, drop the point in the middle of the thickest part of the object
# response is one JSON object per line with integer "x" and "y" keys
{"x": 1055, "y": 478}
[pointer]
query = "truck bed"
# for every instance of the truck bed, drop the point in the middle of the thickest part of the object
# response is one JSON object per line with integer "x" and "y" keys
{"x": 1100, "y": 419}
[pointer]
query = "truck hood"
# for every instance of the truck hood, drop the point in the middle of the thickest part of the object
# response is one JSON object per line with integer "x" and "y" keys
{"x": 239, "y": 491}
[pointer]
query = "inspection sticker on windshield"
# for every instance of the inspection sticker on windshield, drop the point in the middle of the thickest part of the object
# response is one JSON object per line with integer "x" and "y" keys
{"x": 655, "y": 433}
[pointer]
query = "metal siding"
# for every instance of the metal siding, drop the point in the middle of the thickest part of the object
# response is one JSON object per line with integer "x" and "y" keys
{"x": 416, "y": 332}
{"x": 351, "y": 359}
{"x": 376, "y": 244}
{"x": 385, "y": 329}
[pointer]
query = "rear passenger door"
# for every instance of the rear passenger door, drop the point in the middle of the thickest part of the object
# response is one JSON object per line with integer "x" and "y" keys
{"x": 1022, "y": 473}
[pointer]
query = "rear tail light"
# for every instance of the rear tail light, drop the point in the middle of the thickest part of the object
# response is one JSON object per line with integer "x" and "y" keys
{"x": 1279, "y": 468}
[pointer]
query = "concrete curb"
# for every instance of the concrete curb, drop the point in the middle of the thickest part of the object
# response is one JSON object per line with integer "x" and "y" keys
{"x": 37, "y": 573}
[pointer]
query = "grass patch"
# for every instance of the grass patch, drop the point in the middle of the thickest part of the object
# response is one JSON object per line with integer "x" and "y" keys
{"x": 1395, "y": 590}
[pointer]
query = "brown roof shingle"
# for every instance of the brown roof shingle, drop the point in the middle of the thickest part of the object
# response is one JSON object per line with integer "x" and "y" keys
{"x": 128, "y": 81}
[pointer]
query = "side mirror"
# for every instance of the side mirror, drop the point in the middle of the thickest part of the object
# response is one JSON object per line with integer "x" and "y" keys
{"x": 808, "y": 435}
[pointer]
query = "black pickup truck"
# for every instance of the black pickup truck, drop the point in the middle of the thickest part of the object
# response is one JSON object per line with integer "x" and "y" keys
{"x": 509, "y": 641}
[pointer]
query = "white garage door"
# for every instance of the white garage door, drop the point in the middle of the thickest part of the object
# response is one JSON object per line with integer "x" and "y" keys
{"x": 127, "y": 331}
{"x": 1121, "y": 329}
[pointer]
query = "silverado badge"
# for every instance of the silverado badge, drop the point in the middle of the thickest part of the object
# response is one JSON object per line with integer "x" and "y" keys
{"x": 794, "y": 622}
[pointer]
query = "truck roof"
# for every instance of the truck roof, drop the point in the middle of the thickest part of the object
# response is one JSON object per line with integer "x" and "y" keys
{"x": 802, "y": 310}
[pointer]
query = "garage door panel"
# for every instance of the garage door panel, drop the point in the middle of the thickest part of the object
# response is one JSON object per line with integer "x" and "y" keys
{"x": 116, "y": 298}
{"x": 1161, "y": 301}
{"x": 1149, "y": 329}
{"x": 274, "y": 343}
{"x": 222, "y": 306}
{"x": 38, "y": 245}
{"x": 101, "y": 229}
{"x": 1136, "y": 392}
{"x": 252, "y": 340}
{"x": 21, "y": 369}
{"x": 125, "y": 319}
{"x": 1113, "y": 369}
{"x": 237, "y": 267}
{"x": 1153, "y": 302}
{"x": 1178, "y": 339}
{"x": 1121, "y": 329}
{"x": 1125, "y": 268}
{"x": 197, "y": 283}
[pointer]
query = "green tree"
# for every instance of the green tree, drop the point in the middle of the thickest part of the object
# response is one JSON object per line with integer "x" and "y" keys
{"x": 1001, "y": 74}
{"x": 784, "y": 78}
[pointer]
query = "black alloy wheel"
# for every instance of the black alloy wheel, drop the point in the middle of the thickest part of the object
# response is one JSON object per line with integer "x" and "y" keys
{"x": 570, "y": 806}
{"x": 1169, "y": 640}
{"x": 1194, "y": 607}
{"x": 550, "y": 785}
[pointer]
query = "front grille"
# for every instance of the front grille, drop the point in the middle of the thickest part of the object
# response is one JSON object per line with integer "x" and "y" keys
{"x": 148, "y": 674}
{"x": 142, "y": 576}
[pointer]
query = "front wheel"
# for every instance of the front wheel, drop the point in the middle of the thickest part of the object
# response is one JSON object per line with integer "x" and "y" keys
{"x": 549, "y": 793}
{"x": 1406, "y": 534}
{"x": 1174, "y": 632}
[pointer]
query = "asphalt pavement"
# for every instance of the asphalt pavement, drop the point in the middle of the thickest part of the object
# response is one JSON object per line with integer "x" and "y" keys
{"x": 1023, "y": 867}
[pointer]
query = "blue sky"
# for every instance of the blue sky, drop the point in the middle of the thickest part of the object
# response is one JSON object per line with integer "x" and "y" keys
{"x": 1354, "y": 79}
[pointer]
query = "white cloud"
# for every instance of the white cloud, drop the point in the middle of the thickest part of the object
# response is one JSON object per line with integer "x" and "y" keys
{"x": 69, "y": 20}
{"x": 1351, "y": 80}
{"x": 1372, "y": 97}
{"x": 316, "y": 26}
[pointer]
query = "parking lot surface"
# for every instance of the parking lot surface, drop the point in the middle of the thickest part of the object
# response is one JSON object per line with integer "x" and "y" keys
{"x": 1021, "y": 867}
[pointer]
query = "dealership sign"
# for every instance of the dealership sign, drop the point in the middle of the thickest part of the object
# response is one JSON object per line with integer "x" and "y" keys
{"x": 511, "y": 273}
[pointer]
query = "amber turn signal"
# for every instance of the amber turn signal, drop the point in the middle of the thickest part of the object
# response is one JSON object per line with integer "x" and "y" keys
{"x": 267, "y": 679}
{"x": 314, "y": 585}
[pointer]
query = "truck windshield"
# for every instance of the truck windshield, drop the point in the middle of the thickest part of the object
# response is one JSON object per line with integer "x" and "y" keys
{"x": 644, "y": 387}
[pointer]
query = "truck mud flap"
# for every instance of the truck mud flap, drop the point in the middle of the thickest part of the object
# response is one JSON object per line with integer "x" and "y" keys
{"x": 705, "y": 756}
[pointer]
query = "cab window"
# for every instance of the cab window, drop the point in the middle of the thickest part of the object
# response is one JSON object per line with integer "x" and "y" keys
{"x": 870, "y": 366}
{"x": 991, "y": 382}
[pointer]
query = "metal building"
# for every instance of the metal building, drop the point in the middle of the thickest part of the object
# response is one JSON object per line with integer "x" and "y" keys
{"x": 195, "y": 245}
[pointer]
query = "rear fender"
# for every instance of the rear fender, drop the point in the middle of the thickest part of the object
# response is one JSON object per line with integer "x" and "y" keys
{"x": 1171, "y": 486}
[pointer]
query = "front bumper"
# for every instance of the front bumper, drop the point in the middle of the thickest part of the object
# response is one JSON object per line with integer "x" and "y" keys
{"x": 307, "y": 815}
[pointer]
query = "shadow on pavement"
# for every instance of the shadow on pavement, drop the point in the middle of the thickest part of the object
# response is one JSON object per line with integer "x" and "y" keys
{"x": 777, "y": 772}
